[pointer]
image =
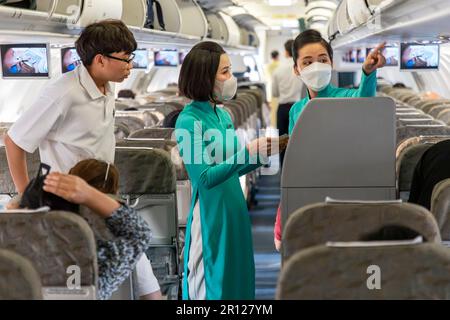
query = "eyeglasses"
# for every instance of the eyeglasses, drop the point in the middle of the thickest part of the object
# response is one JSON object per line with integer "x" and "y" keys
{"x": 130, "y": 58}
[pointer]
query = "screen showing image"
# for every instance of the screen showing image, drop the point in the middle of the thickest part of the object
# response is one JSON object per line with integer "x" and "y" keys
{"x": 391, "y": 55}
{"x": 419, "y": 56}
{"x": 361, "y": 55}
{"x": 140, "y": 60}
{"x": 166, "y": 58}
{"x": 182, "y": 55}
{"x": 24, "y": 60}
{"x": 353, "y": 56}
{"x": 69, "y": 59}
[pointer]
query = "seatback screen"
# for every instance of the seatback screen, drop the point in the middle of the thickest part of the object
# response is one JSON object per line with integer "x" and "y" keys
{"x": 25, "y": 60}
{"x": 419, "y": 56}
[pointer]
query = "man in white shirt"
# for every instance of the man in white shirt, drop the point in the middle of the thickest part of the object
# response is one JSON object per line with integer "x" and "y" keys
{"x": 287, "y": 87}
{"x": 73, "y": 118}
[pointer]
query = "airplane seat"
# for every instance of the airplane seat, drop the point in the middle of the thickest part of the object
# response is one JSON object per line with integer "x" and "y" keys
{"x": 434, "y": 112}
{"x": 417, "y": 122}
{"x": 6, "y": 183}
{"x": 133, "y": 123}
{"x": 232, "y": 114}
{"x": 148, "y": 183}
{"x": 151, "y": 119}
{"x": 440, "y": 207}
{"x": 154, "y": 133}
{"x": 54, "y": 242}
{"x": 413, "y": 115}
{"x": 351, "y": 221}
{"x": 444, "y": 116}
{"x": 412, "y": 100}
{"x": 408, "y": 155}
{"x": 20, "y": 280}
{"x": 410, "y": 131}
{"x": 343, "y": 271}
{"x": 427, "y": 105}
{"x": 324, "y": 160}
{"x": 121, "y": 131}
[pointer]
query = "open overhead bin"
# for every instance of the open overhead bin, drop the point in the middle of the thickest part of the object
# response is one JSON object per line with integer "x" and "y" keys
{"x": 172, "y": 16}
{"x": 218, "y": 28}
{"x": 234, "y": 35}
{"x": 134, "y": 12}
{"x": 193, "y": 20}
{"x": 394, "y": 21}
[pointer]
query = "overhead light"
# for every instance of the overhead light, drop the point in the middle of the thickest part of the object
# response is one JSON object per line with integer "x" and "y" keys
{"x": 280, "y": 3}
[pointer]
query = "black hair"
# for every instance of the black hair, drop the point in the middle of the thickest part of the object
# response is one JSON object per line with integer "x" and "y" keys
{"x": 104, "y": 37}
{"x": 288, "y": 47}
{"x": 308, "y": 37}
{"x": 198, "y": 71}
{"x": 274, "y": 54}
{"x": 399, "y": 85}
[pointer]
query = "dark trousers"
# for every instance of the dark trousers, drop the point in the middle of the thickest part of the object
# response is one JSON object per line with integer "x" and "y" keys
{"x": 283, "y": 123}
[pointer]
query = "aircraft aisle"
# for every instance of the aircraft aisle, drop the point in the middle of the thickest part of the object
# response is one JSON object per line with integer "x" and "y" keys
{"x": 364, "y": 195}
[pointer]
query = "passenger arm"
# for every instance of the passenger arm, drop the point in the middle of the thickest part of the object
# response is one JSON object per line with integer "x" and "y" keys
{"x": 17, "y": 163}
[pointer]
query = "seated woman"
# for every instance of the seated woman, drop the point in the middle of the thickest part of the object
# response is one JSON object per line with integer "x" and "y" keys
{"x": 105, "y": 178}
{"x": 432, "y": 168}
{"x": 131, "y": 231}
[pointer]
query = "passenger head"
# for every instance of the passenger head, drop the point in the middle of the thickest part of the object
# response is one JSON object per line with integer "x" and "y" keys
{"x": 399, "y": 85}
{"x": 313, "y": 59}
{"x": 275, "y": 55}
{"x": 288, "y": 48}
{"x": 105, "y": 48}
{"x": 391, "y": 233}
{"x": 98, "y": 174}
{"x": 206, "y": 74}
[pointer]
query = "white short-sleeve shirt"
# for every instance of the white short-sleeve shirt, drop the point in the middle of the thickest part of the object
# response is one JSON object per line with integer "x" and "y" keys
{"x": 72, "y": 120}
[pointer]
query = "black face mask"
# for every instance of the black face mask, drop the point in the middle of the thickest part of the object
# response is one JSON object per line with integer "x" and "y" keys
{"x": 35, "y": 197}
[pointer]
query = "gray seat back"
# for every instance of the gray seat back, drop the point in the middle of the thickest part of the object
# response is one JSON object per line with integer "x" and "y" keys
{"x": 52, "y": 241}
{"x": 337, "y": 149}
{"x": 6, "y": 182}
{"x": 440, "y": 207}
{"x": 408, "y": 155}
{"x": 318, "y": 223}
{"x": 19, "y": 279}
{"x": 419, "y": 271}
{"x": 132, "y": 123}
{"x": 410, "y": 131}
{"x": 154, "y": 133}
{"x": 444, "y": 116}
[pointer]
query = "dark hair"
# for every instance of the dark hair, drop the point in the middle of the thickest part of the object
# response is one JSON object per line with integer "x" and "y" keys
{"x": 288, "y": 47}
{"x": 126, "y": 93}
{"x": 198, "y": 71}
{"x": 399, "y": 85}
{"x": 308, "y": 37}
{"x": 104, "y": 37}
{"x": 94, "y": 171}
{"x": 171, "y": 119}
{"x": 391, "y": 233}
{"x": 274, "y": 54}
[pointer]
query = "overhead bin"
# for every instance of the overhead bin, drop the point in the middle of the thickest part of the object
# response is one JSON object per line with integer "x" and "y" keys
{"x": 249, "y": 38}
{"x": 218, "y": 27}
{"x": 94, "y": 11}
{"x": 234, "y": 35}
{"x": 358, "y": 12}
{"x": 343, "y": 21}
{"x": 134, "y": 12}
{"x": 171, "y": 14}
{"x": 193, "y": 20}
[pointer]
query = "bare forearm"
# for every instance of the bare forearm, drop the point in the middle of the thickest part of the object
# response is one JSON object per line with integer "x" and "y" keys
{"x": 101, "y": 203}
{"x": 17, "y": 164}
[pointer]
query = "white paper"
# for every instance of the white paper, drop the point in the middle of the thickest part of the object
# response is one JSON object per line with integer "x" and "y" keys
{"x": 42, "y": 209}
{"x": 355, "y": 244}
{"x": 331, "y": 200}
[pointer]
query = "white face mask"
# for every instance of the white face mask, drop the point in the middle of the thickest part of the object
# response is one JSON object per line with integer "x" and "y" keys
{"x": 225, "y": 90}
{"x": 316, "y": 76}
